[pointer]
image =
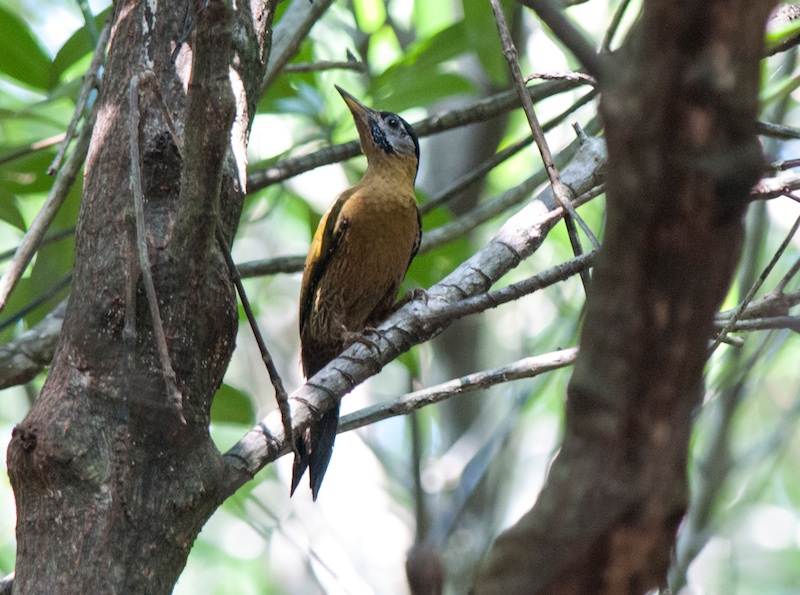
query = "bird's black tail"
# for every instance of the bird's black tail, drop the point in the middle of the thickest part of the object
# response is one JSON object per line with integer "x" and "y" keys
{"x": 314, "y": 450}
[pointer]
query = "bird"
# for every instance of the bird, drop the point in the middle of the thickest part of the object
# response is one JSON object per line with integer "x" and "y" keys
{"x": 357, "y": 261}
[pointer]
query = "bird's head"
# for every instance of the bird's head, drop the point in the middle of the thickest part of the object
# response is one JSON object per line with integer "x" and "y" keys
{"x": 382, "y": 134}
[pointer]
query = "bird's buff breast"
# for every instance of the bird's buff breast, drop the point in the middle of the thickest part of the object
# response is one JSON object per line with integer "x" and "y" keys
{"x": 368, "y": 266}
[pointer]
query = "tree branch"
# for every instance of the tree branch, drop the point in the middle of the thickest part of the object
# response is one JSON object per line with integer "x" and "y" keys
{"x": 560, "y": 191}
{"x": 24, "y": 357}
{"x": 91, "y": 80}
{"x": 569, "y": 35}
{"x": 479, "y": 111}
{"x": 405, "y": 404}
{"x": 58, "y": 193}
{"x": 288, "y": 34}
{"x": 174, "y": 397}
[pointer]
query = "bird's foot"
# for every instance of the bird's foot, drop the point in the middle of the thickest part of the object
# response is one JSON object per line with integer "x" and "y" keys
{"x": 363, "y": 337}
{"x": 418, "y": 293}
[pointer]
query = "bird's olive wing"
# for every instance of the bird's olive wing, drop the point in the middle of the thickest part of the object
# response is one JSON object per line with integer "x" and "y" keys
{"x": 418, "y": 241}
{"x": 323, "y": 246}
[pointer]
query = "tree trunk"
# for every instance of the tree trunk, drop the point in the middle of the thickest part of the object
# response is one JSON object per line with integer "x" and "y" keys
{"x": 679, "y": 107}
{"x": 111, "y": 485}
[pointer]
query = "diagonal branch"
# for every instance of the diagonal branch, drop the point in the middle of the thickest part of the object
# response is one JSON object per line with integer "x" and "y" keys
{"x": 174, "y": 397}
{"x": 560, "y": 191}
{"x": 290, "y": 31}
{"x": 58, "y": 193}
{"x": 569, "y": 35}
{"x": 525, "y": 368}
{"x": 280, "y": 392}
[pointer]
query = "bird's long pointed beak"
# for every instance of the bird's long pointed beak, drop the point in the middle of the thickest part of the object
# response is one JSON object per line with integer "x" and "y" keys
{"x": 361, "y": 113}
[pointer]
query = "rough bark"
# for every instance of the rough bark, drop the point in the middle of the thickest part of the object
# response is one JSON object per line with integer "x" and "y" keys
{"x": 679, "y": 108}
{"x": 111, "y": 486}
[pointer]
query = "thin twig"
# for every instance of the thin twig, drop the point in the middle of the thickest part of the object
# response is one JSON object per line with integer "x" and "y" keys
{"x": 492, "y": 299}
{"x": 47, "y": 240}
{"x": 791, "y": 323}
{"x": 784, "y": 164}
{"x": 91, "y": 80}
{"x": 769, "y": 188}
{"x": 772, "y": 304}
{"x": 608, "y": 39}
{"x": 58, "y": 193}
{"x": 560, "y": 191}
{"x": 288, "y": 34}
{"x": 38, "y": 145}
{"x": 756, "y": 286}
{"x": 474, "y": 175}
{"x": 793, "y": 270}
{"x": 777, "y": 130}
{"x": 403, "y": 405}
{"x": 566, "y": 32}
{"x": 486, "y": 211}
{"x": 281, "y": 396}
{"x": 560, "y": 76}
{"x": 712, "y": 468}
{"x": 326, "y": 65}
{"x": 271, "y": 266}
{"x": 174, "y": 397}
{"x": 290, "y": 536}
{"x": 42, "y": 298}
{"x": 484, "y": 168}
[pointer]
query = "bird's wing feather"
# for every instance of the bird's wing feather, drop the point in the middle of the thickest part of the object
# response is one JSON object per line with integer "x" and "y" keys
{"x": 418, "y": 241}
{"x": 323, "y": 246}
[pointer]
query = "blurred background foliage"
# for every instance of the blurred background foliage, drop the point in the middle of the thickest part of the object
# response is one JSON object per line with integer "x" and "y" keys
{"x": 455, "y": 474}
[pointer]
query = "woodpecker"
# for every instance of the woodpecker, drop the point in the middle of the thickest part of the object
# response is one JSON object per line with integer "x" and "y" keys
{"x": 358, "y": 258}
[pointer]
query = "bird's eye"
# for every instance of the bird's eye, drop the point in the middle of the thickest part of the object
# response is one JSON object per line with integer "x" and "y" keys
{"x": 392, "y": 122}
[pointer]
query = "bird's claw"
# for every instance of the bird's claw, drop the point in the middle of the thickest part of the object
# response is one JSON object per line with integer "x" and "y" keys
{"x": 418, "y": 293}
{"x": 350, "y": 338}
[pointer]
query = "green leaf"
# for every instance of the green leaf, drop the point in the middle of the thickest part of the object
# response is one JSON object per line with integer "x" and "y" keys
{"x": 21, "y": 56}
{"x": 778, "y": 90}
{"x": 27, "y": 174}
{"x": 370, "y": 14}
{"x": 481, "y": 34}
{"x": 9, "y": 211}
{"x": 52, "y": 264}
{"x": 419, "y": 91}
{"x": 232, "y": 406}
{"x": 430, "y": 17}
{"x": 307, "y": 102}
{"x": 76, "y": 47}
{"x": 421, "y": 78}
